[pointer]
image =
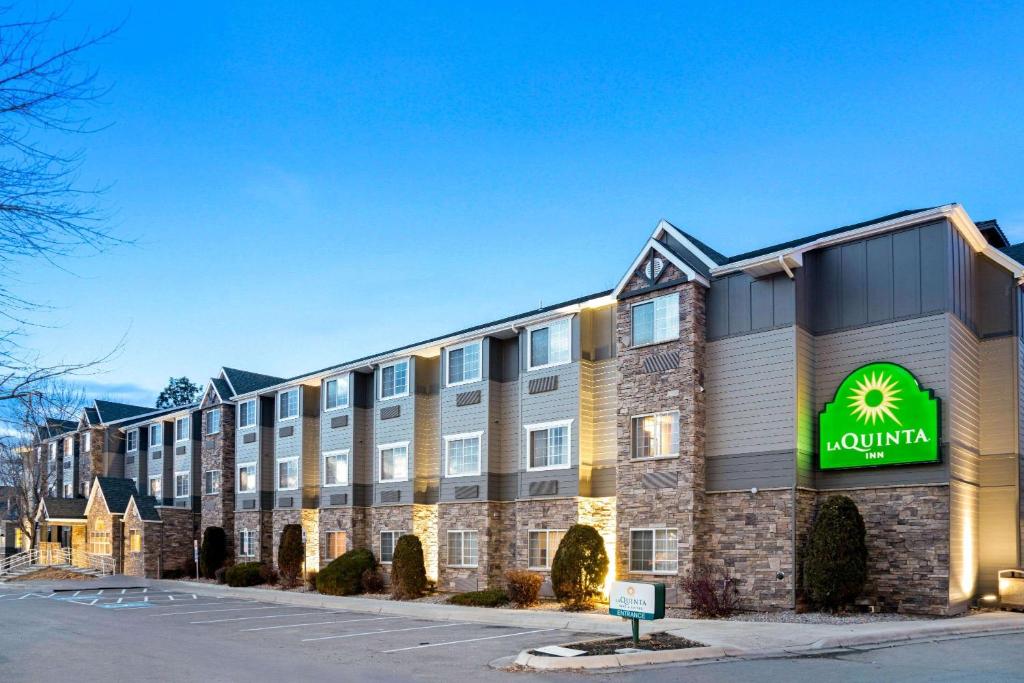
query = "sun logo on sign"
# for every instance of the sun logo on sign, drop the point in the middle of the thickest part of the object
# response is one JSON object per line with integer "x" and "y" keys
{"x": 630, "y": 591}
{"x": 874, "y": 398}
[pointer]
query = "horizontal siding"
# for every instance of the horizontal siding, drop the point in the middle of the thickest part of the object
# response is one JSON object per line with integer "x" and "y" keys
{"x": 963, "y": 418}
{"x": 806, "y": 416}
{"x": 963, "y": 542}
{"x": 561, "y": 404}
{"x": 998, "y": 387}
{"x": 750, "y": 470}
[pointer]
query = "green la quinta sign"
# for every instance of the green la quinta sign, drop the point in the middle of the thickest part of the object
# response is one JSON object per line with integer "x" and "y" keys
{"x": 880, "y": 415}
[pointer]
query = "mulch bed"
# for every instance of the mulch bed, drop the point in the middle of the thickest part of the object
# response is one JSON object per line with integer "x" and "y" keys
{"x": 654, "y": 641}
{"x": 53, "y": 575}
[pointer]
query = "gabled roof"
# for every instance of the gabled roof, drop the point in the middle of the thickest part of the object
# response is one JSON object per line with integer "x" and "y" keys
{"x": 146, "y": 505}
{"x": 110, "y": 411}
{"x": 668, "y": 241}
{"x": 222, "y": 387}
{"x": 993, "y": 233}
{"x": 54, "y": 427}
{"x": 92, "y": 417}
{"x": 62, "y": 508}
{"x": 1014, "y": 251}
{"x": 245, "y": 382}
{"x": 116, "y": 492}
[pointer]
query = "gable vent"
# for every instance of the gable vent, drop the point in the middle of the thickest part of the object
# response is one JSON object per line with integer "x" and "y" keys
{"x": 467, "y": 492}
{"x": 660, "y": 362}
{"x": 340, "y": 421}
{"x": 547, "y": 487}
{"x": 390, "y": 413}
{"x": 659, "y": 480}
{"x": 543, "y": 384}
{"x": 390, "y": 496}
{"x": 467, "y": 398}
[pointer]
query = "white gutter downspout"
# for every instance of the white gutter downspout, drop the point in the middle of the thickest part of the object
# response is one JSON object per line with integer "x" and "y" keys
{"x": 785, "y": 266}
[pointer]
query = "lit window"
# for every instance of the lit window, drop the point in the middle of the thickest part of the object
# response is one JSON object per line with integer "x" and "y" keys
{"x": 288, "y": 404}
{"x": 336, "y": 393}
{"x": 550, "y": 345}
{"x": 655, "y": 436}
{"x": 133, "y": 440}
{"x": 246, "y": 478}
{"x": 653, "y": 551}
{"x": 213, "y": 421}
{"x": 134, "y": 541}
{"x": 548, "y": 446}
{"x": 394, "y": 462}
{"x": 99, "y": 540}
{"x": 388, "y": 539}
{"x": 69, "y": 445}
{"x": 394, "y": 380}
{"x": 211, "y": 481}
{"x": 156, "y": 435}
{"x": 462, "y": 549}
{"x": 155, "y": 487}
{"x": 462, "y": 455}
{"x": 543, "y": 545}
{"x": 656, "y": 320}
{"x": 247, "y": 413}
{"x": 336, "y": 468}
{"x": 181, "y": 485}
{"x": 247, "y": 543}
{"x": 181, "y": 429}
{"x": 288, "y": 474}
{"x": 464, "y": 364}
{"x": 335, "y": 546}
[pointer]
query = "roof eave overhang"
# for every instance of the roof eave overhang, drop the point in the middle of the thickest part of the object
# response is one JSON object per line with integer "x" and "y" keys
{"x": 652, "y": 243}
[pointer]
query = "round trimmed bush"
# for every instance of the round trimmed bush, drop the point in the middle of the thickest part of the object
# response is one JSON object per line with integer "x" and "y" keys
{"x": 523, "y": 587}
{"x": 289, "y": 554}
{"x": 213, "y": 551}
{"x": 579, "y": 568}
{"x": 408, "y": 571}
{"x": 343, "y": 576}
{"x": 835, "y": 557}
{"x": 245, "y": 574}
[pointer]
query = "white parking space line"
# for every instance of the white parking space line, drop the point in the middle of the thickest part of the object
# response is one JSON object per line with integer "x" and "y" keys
{"x": 198, "y": 604}
{"x": 470, "y": 640}
{"x": 265, "y": 616}
{"x": 373, "y": 633}
{"x": 315, "y": 623}
{"x": 230, "y": 609}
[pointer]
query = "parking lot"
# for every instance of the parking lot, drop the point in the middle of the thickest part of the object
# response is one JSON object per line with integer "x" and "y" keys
{"x": 154, "y": 631}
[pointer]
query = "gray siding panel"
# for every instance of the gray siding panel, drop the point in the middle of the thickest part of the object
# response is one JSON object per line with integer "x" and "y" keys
{"x": 561, "y": 404}
{"x": 962, "y": 415}
{"x": 749, "y": 470}
{"x": 906, "y": 268}
{"x": 879, "y": 277}
{"x": 739, "y": 304}
{"x": 854, "y": 291}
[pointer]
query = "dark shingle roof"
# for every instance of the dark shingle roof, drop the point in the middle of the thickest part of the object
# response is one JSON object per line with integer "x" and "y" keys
{"x": 708, "y": 251}
{"x": 54, "y": 427}
{"x": 92, "y": 416}
{"x": 222, "y": 387}
{"x": 117, "y": 492}
{"x": 147, "y": 508}
{"x": 993, "y": 233}
{"x": 1015, "y": 251}
{"x": 244, "y": 381}
{"x": 65, "y": 508}
{"x": 110, "y": 411}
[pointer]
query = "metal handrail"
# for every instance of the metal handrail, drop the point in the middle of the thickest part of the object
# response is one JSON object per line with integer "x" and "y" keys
{"x": 103, "y": 564}
{"x": 14, "y": 562}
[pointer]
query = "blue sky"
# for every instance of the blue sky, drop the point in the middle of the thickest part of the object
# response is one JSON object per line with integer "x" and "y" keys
{"x": 313, "y": 182}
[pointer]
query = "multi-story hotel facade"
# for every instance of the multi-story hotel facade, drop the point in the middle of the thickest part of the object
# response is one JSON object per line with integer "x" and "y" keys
{"x": 695, "y": 413}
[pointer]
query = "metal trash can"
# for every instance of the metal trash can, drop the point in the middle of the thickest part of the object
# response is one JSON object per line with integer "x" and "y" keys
{"x": 1011, "y": 589}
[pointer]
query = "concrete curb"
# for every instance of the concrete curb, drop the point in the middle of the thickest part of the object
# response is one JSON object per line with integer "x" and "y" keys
{"x": 536, "y": 662}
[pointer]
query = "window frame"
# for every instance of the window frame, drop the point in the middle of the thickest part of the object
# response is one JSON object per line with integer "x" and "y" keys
{"x": 298, "y": 406}
{"x": 238, "y": 477}
{"x": 394, "y": 541}
{"x": 334, "y": 453}
{"x": 479, "y": 453}
{"x": 633, "y": 433}
{"x": 550, "y": 554}
{"x": 87, "y": 438}
{"x": 209, "y": 421}
{"x": 327, "y": 543}
{"x": 134, "y": 534}
{"x": 160, "y": 485}
{"x": 206, "y": 488}
{"x": 479, "y": 344}
{"x": 462, "y": 548}
{"x": 53, "y": 450}
{"x": 188, "y": 484}
{"x": 338, "y": 380}
{"x": 530, "y": 367}
{"x": 542, "y": 426}
{"x": 67, "y": 490}
{"x": 251, "y": 414}
{"x": 408, "y": 378}
{"x": 179, "y": 421}
{"x": 250, "y": 535}
{"x": 158, "y": 429}
{"x": 654, "y": 551}
{"x": 69, "y": 445}
{"x": 380, "y": 461}
{"x": 293, "y": 460}
{"x": 128, "y": 441}
{"x": 654, "y": 327}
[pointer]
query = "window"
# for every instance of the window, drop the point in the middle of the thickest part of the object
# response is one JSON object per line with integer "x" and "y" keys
{"x": 336, "y": 393}
{"x": 99, "y": 540}
{"x": 69, "y": 444}
{"x": 155, "y": 487}
{"x": 656, "y": 320}
{"x": 87, "y": 441}
{"x": 247, "y": 543}
{"x": 462, "y": 549}
{"x": 653, "y": 551}
{"x": 462, "y": 455}
{"x": 246, "y": 478}
{"x": 394, "y": 461}
{"x": 181, "y": 485}
{"x": 213, "y": 421}
{"x": 156, "y": 435}
{"x": 387, "y": 545}
{"x": 336, "y": 468}
{"x": 134, "y": 541}
{"x": 181, "y": 429}
{"x": 288, "y": 404}
{"x": 133, "y": 440}
{"x": 394, "y": 380}
{"x": 543, "y": 544}
{"x": 247, "y": 413}
{"x": 335, "y": 546}
{"x": 53, "y": 450}
{"x": 550, "y": 345}
{"x": 69, "y": 491}
{"x": 548, "y": 446}
{"x": 211, "y": 481}
{"x": 464, "y": 364}
{"x": 288, "y": 474}
{"x": 655, "y": 436}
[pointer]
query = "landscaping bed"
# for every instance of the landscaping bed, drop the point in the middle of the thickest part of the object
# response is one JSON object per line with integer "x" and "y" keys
{"x": 50, "y": 574}
{"x": 648, "y": 643}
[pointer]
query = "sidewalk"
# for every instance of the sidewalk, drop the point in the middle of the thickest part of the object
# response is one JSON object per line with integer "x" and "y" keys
{"x": 724, "y": 638}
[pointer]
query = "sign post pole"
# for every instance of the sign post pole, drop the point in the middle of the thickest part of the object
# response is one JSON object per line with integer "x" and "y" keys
{"x": 195, "y": 556}
{"x": 636, "y": 632}
{"x": 635, "y": 601}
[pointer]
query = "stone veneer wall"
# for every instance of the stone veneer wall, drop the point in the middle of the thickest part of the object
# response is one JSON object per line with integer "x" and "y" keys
{"x": 352, "y": 520}
{"x": 280, "y": 519}
{"x": 90, "y": 463}
{"x": 217, "y": 452}
{"x": 424, "y": 525}
{"x": 99, "y": 515}
{"x": 559, "y": 513}
{"x": 178, "y": 531}
{"x": 388, "y": 518}
{"x": 486, "y": 518}
{"x": 672, "y": 497}
{"x": 259, "y": 521}
{"x": 134, "y": 563}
